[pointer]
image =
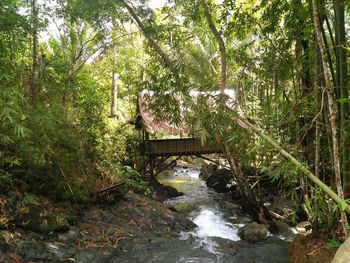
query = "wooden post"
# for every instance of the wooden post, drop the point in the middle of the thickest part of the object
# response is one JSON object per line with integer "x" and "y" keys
{"x": 151, "y": 163}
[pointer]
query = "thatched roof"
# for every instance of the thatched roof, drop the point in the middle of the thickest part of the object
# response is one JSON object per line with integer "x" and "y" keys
{"x": 152, "y": 125}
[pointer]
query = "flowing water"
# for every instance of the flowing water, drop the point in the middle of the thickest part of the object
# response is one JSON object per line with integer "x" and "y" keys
{"x": 218, "y": 222}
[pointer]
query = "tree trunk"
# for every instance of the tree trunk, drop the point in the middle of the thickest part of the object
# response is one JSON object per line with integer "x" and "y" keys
{"x": 342, "y": 80}
{"x": 332, "y": 107}
{"x": 114, "y": 94}
{"x": 222, "y": 47}
{"x": 34, "y": 86}
{"x": 251, "y": 202}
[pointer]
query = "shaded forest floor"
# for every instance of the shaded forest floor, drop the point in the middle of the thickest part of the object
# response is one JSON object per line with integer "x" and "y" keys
{"x": 310, "y": 249}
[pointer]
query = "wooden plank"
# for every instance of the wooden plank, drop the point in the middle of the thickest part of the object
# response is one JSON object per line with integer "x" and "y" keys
{"x": 175, "y": 147}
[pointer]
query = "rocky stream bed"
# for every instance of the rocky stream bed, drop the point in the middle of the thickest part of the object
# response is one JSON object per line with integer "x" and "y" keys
{"x": 200, "y": 226}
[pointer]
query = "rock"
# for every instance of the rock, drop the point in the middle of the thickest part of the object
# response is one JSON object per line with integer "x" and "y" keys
{"x": 34, "y": 251}
{"x": 182, "y": 223}
{"x": 343, "y": 253}
{"x": 218, "y": 179}
{"x": 283, "y": 208}
{"x": 172, "y": 192}
{"x": 162, "y": 192}
{"x": 72, "y": 236}
{"x": 86, "y": 255}
{"x": 253, "y": 232}
{"x": 273, "y": 250}
{"x": 231, "y": 206}
{"x": 303, "y": 227}
{"x": 281, "y": 228}
{"x": 205, "y": 171}
{"x": 226, "y": 246}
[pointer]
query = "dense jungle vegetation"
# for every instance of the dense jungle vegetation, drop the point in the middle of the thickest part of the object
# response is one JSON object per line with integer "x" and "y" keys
{"x": 70, "y": 73}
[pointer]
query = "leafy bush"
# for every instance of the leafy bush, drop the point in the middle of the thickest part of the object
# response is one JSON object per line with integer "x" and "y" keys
{"x": 134, "y": 180}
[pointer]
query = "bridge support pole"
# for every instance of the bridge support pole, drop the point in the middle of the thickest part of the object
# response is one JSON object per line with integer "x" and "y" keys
{"x": 151, "y": 166}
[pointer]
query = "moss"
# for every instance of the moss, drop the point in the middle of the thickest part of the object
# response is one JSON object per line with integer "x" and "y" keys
{"x": 184, "y": 207}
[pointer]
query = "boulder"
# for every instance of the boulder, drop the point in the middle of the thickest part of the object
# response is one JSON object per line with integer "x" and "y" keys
{"x": 206, "y": 171}
{"x": 219, "y": 179}
{"x": 273, "y": 250}
{"x": 162, "y": 192}
{"x": 253, "y": 232}
{"x": 225, "y": 246}
{"x": 281, "y": 228}
{"x": 343, "y": 253}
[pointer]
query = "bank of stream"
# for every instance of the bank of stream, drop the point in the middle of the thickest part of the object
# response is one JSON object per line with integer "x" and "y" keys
{"x": 200, "y": 226}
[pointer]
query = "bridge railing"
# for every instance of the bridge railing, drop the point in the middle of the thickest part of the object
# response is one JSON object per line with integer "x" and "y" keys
{"x": 177, "y": 147}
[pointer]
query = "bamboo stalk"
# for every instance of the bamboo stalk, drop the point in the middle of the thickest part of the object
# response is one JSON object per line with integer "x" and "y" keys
{"x": 302, "y": 167}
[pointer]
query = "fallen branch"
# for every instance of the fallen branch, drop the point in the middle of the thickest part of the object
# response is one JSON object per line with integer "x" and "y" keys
{"x": 276, "y": 216}
{"x": 110, "y": 188}
{"x": 302, "y": 167}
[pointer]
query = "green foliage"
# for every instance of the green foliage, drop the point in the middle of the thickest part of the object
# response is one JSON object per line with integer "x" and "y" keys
{"x": 288, "y": 176}
{"x": 342, "y": 206}
{"x": 321, "y": 210}
{"x": 333, "y": 243}
{"x": 134, "y": 180}
{"x": 67, "y": 143}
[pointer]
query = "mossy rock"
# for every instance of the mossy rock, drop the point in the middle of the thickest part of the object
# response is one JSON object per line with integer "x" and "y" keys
{"x": 35, "y": 221}
{"x": 184, "y": 206}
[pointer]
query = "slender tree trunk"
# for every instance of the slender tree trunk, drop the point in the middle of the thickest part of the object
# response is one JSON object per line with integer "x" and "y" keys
{"x": 34, "y": 86}
{"x": 250, "y": 198}
{"x": 332, "y": 107}
{"x": 342, "y": 80}
{"x": 114, "y": 94}
{"x": 317, "y": 147}
{"x": 250, "y": 201}
{"x": 320, "y": 109}
{"x": 222, "y": 48}
{"x": 329, "y": 57}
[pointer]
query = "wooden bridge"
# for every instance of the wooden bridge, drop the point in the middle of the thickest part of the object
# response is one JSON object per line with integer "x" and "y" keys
{"x": 156, "y": 151}
{"x": 178, "y": 147}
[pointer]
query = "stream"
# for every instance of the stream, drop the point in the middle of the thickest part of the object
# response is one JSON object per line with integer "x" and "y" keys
{"x": 218, "y": 220}
{"x": 137, "y": 229}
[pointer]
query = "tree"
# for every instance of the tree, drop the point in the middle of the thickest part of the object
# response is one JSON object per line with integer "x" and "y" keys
{"x": 342, "y": 92}
{"x": 331, "y": 107}
{"x": 34, "y": 86}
